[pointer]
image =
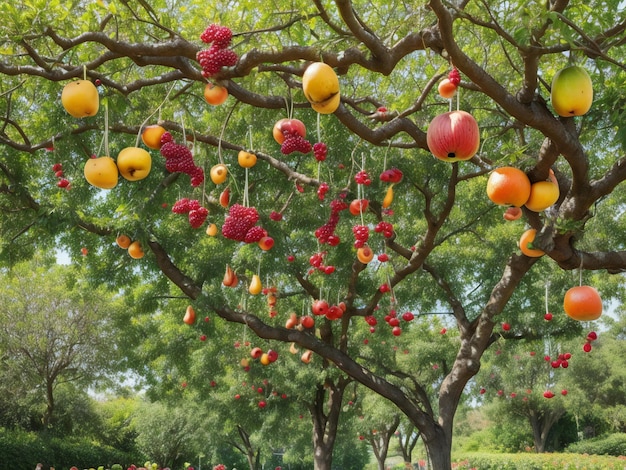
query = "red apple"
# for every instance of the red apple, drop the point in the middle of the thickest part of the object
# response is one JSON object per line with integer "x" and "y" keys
{"x": 319, "y": 307}
{"x": 453, "y": 136}
{"x": 294, "y": 126}
{"x": 358, "y": 206}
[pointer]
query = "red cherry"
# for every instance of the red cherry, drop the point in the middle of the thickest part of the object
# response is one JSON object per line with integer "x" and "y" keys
{"x": 383, "y": 257}
{"x": 396, "y": 331}
{"x": 592, "y": 336}
{"x": 547, "y": 316}
{"x": 482, "y": 391}
{"x": 563, "y": 392}
{"x": 202, "y": 337}
{"x": 506, "y": 326}
{"x": 408, "y": 316}
{"x": 587, "y": 347}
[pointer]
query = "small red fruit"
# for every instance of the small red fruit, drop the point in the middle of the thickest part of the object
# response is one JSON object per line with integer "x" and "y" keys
{"x": 358, "y": 206}
{"x": 319, "y": 307}
{"x": 547, "y": 316}
{"x": 506, "y": 326}
{"x": 266, "y": 243}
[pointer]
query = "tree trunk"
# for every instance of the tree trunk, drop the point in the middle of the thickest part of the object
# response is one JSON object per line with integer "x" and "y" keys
{"x": 248, "y": 450}
{"x": 407, "y": 441}
{"x": 541, "y": 425}
{"x": 325, "y": 424}
{"x": 47, "y": 416}
{"x": 380, "y": 444}
{"x": 439, "y": 449}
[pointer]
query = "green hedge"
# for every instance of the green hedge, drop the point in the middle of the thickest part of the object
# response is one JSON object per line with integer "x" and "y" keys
{"x": 538, "y": 462}
{"x": 612, "y": 444}
{"x": 21, "y": 450}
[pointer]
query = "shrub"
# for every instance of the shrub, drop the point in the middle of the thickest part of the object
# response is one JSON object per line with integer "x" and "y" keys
{"x": 538, "y": 462}
{"x": 612, "y": 444}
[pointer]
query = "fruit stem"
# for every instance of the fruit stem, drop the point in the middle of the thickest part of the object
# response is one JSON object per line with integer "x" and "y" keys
{"x": 157, "y": 109}
{"x": 219, "y": 142}
{"x": 106, "y": 128}
{"x": 84, "y": 72}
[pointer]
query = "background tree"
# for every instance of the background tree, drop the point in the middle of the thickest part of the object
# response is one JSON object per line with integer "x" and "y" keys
{"x": 54, "y": 331}
{"x": 448, "y": 252}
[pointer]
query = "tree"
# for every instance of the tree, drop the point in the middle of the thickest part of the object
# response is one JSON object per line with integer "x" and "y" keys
{"x": 53, "y": 331}
{"x": 450, "y": 252}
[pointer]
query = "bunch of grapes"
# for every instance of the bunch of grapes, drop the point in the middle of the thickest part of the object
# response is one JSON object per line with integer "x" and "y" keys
{"x": 178, "y": 158}
{"x": 386, "y": 228}
{"x": 240, "y": 224}
{"x": 294, "y": 143}
{"x": 197, "y": 213}
{"x": 362, "y": 177}
{"x": 361, "y": 235}
{"x": 322, "y": 189}
{"x": 320, "y": 151}
{"x": 326, "y": 233}
{"x": 218, "y": 55}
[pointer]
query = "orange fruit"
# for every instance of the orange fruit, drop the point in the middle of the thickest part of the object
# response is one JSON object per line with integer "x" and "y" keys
{"x": 527, "y": 238}
{"x": 123, "y": 241}
{"x": 365, "y": 254}
{"x": 135, "y": 250}
{"x": 508, "y": 186}
{"x": 583, "y": 303}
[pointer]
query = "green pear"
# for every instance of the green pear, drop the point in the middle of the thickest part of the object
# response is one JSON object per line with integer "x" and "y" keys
{"x": 572, "y": 91}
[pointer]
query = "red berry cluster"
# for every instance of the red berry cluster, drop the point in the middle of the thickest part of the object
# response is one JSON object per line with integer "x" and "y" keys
{"x": 58, "y": 172}
{"x": 197, "y": 213}
{"x": 561, "y": 361}
{"x": 317, "y": 261}
{"x": 218, "y": 55}
{"x": 454, "y": 76}
{"x": 320, "y": 151}
{"x": 394, "y": 322}
{"x": 591, "y": 337}
{"x": 322, "y": 189}
{"x": 178, "y": 158}
{"x": 386, "y": 228}
{"x": 361, "y": 235}
{"x": 294, "y": 143}
{"x": 326, "y": 233}
{"x": 362, "y": 177}
{"x": 240, "y": 224}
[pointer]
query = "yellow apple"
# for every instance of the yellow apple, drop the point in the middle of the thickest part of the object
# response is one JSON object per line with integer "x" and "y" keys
{"x": 321, "y": 87}
{"x": 151, "y": 136}
{"x": 134, "y": 163}
{"x": 572, "y": 91}
{"x": 101, "y": 172}
{"x": 542, "y": 195}
{"x": 218, "y": 173}
{"x": 246, "y": 159}
{"x": 80, "y": 98}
